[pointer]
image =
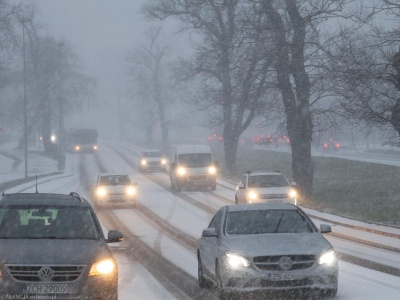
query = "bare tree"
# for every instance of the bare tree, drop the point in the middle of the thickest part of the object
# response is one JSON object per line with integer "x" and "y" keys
{"x": 227, "y": 60}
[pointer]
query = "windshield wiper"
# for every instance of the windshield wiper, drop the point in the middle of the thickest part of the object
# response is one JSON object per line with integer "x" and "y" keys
{"x": 279, "y": 223}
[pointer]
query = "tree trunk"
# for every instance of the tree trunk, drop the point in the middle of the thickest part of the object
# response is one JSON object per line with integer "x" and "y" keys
{"x": 230, "y": 149}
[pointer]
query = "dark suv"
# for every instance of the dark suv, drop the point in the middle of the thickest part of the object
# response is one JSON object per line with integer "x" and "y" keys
{"x": 52, "y": 247}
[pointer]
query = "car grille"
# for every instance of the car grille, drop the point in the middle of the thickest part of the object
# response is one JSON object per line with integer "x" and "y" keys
{"x": 271, "y": 263}
{"x": 279, "y": 284}
{"x": 32, "y": 273}
{"x": 273, "y": 196}
{"x": 197, "y": 177}
{"x": 154, "y": 163}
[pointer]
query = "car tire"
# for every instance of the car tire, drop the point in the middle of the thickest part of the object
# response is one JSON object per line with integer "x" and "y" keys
{"x": 173, "y": 187}
{"x": 222, "y": 294}
{"x": 203, "y": 282}
{"x": 329, "y": 292}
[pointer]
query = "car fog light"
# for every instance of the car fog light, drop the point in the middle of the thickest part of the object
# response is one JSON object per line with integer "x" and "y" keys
{"x": 103, "y": 267}
{"x": 236, "y": 261}
{"x": 328, "y": 258}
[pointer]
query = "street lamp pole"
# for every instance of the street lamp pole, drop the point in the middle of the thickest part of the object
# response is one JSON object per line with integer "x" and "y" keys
{"x": 25, "y": 103}
{"x": 61, "y": 112}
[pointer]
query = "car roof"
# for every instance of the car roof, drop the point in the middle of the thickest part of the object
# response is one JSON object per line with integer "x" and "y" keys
{"x": 151, "y": 150}
{"x": 112, "y": 174}
{"x": 256, "y": 173}
{"x": 72, "y": 199}
{"x": 261, "y": 206}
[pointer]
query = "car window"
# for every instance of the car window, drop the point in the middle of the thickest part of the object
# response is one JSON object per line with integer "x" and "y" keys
{"x": 195, "y": 160}
{"x": 243, "y": 180}
{"x": 266, "y": 221}
{"x": 216, "y": 221}
{"x": 152, "y": 154}
{"x": 43, "y": 222}
{"x": 261, "y": 181}
{"x": 115, "y": 180}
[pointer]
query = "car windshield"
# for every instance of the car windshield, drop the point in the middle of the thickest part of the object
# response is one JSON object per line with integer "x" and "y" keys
{"x": 195, "y": 160}
{"x": 261, "y": 181}
{"x": 115, "y": 180}
{"x": 47, "y": 222}
{"x": 152, "y": 154}
{"x": 266, "y": 221}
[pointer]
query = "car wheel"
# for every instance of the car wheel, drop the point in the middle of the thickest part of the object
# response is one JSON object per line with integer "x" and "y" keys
{"x": 222, "y": 294}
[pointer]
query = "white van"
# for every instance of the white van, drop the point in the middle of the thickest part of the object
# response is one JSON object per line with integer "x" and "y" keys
{"x": 192, "y": 166}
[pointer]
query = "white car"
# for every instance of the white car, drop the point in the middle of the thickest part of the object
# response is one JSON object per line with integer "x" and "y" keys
{"x": 265, "y": 186}
{"x": 114, "y": 189}
{"x": 266, "y": 247}
{"x": 152, "y": 160}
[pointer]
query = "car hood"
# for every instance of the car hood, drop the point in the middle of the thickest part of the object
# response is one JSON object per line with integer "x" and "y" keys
{"x": 153, "y": 158}
{"x": 276, "y": 244}
{"x": 40, "y": 251}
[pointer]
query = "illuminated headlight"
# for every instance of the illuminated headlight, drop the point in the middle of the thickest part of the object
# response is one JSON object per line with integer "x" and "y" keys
{"x": 131, "y": 191}
{"x": 103, "y": 267}
{"x": 252, "y": 195}
{"x": 77, "y": 148}
{"x": 101, "y": 192}
{"x": 328, "y": 258}
{"x": 236, "y": 261}
{"x": 292, "y": 194}
{"x": 53, "y": 138}
{"x": 212, "y": 170}
{"x": 94, "y": 147}
{"x": 181, "y": 171}
{"x": 163, "y": 161}
{"x": 143, "y": 162}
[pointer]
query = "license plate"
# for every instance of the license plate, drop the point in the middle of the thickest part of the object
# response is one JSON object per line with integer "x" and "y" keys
{"x": 281, "y": 276}
{"x": 45, "y": 288}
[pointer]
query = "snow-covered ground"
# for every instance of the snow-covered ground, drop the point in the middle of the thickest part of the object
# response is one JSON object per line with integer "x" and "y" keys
{"x": 135, "y": 280}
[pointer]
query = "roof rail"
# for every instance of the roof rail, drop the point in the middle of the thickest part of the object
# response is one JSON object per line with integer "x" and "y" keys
{"x": 76, "y": 195}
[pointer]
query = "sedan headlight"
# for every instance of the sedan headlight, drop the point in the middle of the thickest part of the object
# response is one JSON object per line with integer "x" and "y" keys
{"x": 143, "y": 162}
{"x": 101, "y": 192}
{"x": 181, "y": 171}
{"x": 252, "y": 195}
{"x": 327, "y": 258}
{"x": 163, "y": 161}
{"x": 292, "y": 194}
{"x": 77, "y": 148}
{"x": 212, "y": 170}
{"x": 236, "y": 261}
{"x": 103, "y": 267}
{"x": 130, "y": 191}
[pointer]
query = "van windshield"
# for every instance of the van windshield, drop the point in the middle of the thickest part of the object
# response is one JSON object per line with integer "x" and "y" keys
{"x": 195, "y": 160}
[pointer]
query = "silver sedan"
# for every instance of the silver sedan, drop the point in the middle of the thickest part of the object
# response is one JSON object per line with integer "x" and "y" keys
{"x": 266, "y": 247}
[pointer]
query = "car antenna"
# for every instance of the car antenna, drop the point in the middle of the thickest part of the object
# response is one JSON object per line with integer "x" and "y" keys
{"x": 36, "y": 185}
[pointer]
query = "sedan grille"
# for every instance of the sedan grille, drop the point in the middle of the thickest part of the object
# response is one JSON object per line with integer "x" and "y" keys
{"x": 272, "y": 263}
{"x": 154, "y": 163}
{"x": 197, "y": 177}
{"x": 273, "y": 196}
{"x": 36, "y": 273}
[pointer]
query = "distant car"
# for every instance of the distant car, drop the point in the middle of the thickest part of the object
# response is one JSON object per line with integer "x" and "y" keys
{"x": 265, "y": 186}
{"x": 331, "y": 145}
{"x": 152, "y": 160}
{"x": 114, "y": 189}
{"x": 52, "y": 247}
{"x": 266, "y": 247}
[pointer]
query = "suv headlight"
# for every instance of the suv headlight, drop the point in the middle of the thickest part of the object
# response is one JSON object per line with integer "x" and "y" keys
{"x": 163, "y": 161}
{"x": 102, "y": 267}
{"x": 327, "y": 258}
{"x": 236, "y": 261}
{"x": 131, "y": 191}
{"x": 143, "y": 162}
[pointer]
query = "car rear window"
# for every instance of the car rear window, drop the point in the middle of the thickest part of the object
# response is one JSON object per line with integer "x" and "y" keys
{"x": 266, "y": 221}
{"x": 47, "y": 222}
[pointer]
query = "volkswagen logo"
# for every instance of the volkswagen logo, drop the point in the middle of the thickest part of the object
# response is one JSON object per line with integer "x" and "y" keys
{"x": 46, "y": 273}
{"x": 285, "y": 263}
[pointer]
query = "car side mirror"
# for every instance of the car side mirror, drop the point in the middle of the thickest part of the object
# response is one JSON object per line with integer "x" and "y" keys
{"x": 240, "y": 186}
{"x": 325, "y": 228}
{"x": 293, "y": 183}
{"x": 114, "y": 236}
{"x": 209, "y": 232}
